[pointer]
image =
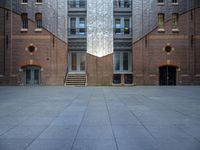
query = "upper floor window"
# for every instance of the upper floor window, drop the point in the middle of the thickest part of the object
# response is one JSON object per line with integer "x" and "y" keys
{"x": 77, "y": 26}
{"x": 38, "y": 1}
{"x": 161, "y": 19}
{"x": 77, "y": 3}
{"x": 122, "y": 3}
{"x": 24, "y": 1}
{"x": 161, "y": 2}
{"x": 122, "y": 25}
{"x": 174, "y": 1}
{"x": 174, "y": 21}
{"x": 24, "y": 22}
{"x": 38, "y": 19}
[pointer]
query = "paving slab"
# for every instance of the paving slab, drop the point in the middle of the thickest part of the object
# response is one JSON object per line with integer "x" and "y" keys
{"x": 100, "y": 118}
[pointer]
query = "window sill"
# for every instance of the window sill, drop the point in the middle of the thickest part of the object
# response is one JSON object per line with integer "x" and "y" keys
{"x": 24, "y": 30}
{"x": 161, "y": 4}
{"x": 175, "y": 30}
{"x": 175, "y": 4}
{"x": 37, "y": 3}
{"x": 38, "y": 30}
{"x": 24, "y": 3}
{"x": 161, "y": 30}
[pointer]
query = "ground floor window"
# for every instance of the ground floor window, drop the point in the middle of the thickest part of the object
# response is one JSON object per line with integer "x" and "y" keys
{"x": 122, "y": 79}
{"x": 122, "y": 61}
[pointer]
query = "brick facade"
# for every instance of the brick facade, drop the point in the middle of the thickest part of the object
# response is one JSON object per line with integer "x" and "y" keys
{"x": 149, "y": 52}
{"x": 50, "y": 54}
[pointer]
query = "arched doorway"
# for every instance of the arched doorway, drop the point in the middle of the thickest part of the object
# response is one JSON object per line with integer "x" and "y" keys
{"x": 31, "y": 75}
{"x": 167, "y": 75}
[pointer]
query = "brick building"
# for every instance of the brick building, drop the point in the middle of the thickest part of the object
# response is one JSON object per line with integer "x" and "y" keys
{"x": 119, "y": 42}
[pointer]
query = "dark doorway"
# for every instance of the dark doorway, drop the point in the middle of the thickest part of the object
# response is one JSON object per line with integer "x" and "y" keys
{"x": 167, "y": 75}
{"x": 31, "y": 75}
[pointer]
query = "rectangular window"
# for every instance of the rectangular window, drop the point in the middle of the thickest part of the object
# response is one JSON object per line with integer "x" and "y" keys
{"x": 38, "y": 18}
{"x": 122, "y": 61}
{"x": 175, "y": 21}
{"x": 24, "y": 20}
{"x": 122, "y": 25}
{"x": 77, "y": 3}
{"x": 174, "y": 1}
{"x": 77, "y": 26}
{"x": 125, "y": 61}
{"x": 24, "y": 1}
{"x": 122, "y": 3}
{"x": 160, "y": 1}
{"x": 161, "y": 18}
{"x": 38, "y": 1}
{"x": 117, "y": 61}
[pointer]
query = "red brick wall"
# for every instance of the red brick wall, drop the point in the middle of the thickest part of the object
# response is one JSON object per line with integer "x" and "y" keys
{"x": 51, "y": 54}
{"x": 99, "y": 70}
{"x": 148, "y": 53}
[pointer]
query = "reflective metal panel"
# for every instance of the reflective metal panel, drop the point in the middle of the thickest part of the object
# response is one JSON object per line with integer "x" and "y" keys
{"x": 100, "y": 27}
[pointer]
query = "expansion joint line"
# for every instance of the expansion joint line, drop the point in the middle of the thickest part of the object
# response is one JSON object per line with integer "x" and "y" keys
{"x": 110, "y": 120}
{"x": 51, "y": 122}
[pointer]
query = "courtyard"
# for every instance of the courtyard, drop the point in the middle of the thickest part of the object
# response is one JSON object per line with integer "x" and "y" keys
{"x": 100, "y": 118}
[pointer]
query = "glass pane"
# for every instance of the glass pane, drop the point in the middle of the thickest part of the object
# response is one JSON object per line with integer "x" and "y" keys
{"x": 82, "y": 62}
{"x": 125, "y": 61}
{"x": 117, "y": 78}
{"x": 128, "y": 78}
{"x": 117, "y": 61}
{"x": 28, "y": 76}
{"x": 74, "y": 61}
{"x": 126, "y": 26}
{"x": 72, "y": 25}
{"x": 36, "y": 76}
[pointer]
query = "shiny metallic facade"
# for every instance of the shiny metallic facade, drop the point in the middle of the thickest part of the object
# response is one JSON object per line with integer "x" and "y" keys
{"x": 100, "y": 27}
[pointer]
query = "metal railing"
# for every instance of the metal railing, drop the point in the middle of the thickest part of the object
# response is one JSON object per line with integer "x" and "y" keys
{"x": 77, "y": 31}
{"x": 122, "y": 31}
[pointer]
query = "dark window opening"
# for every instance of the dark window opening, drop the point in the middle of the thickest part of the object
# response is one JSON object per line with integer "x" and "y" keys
{"x": 128, "y": 78}
{"x": 117, "y": 78}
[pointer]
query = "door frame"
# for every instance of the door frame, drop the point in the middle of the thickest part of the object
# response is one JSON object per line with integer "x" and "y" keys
{"x": 32, "y": 74}
{"x": 78, "y": 55}
{"x": 176, "y": 75}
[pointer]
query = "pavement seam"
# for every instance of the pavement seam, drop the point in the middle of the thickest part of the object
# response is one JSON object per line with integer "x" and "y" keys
{"x": 111, "y": 122}
{"x": 50, "y": 123}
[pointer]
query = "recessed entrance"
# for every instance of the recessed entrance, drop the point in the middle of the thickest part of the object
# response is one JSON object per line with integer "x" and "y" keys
{"x": 31, "y": 75}
{"x": 77, "y": 61}
{"x": 167, "y": 75}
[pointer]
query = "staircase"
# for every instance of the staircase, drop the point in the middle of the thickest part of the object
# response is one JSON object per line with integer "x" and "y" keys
{"x": 75, "y": 80}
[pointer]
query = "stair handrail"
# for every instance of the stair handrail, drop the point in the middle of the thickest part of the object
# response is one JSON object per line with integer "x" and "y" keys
{"x": 65, "y": 78}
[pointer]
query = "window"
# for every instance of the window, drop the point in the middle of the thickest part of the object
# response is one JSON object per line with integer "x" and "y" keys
{"x": 77, "y": 26}
{"x": 38, "y": 19}
{"x": 77, "y": 3}
{"x": 122, "y": 25}
{"x": 122, "y": 3}
{"x": 117, "y": 78}
{"x": 175, "y": 1}
{"x": 31, "y": 49}
{"x": 168, "y": 49}
{"x": 160, "y": 1}
{"x": 175, "y": 21}
{"x": 24, "y": 18}
{"x": 122, "y": 62}
{"x": 38, "y": 1}
{"x": 161, "y": 18}
{"x": 24, "y": 1}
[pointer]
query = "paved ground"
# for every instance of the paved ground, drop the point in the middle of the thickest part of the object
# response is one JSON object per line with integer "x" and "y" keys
{"x": 100, "y": 118}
